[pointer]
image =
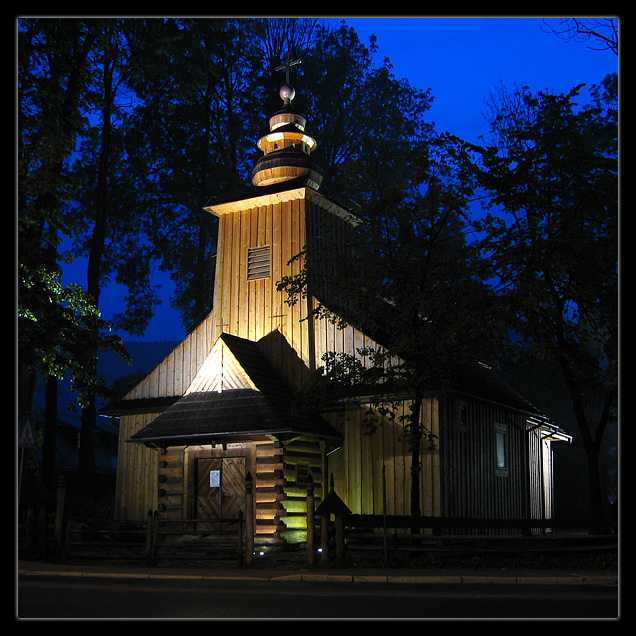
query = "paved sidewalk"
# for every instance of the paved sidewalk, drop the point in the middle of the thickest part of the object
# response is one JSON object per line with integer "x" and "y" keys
{"x": 353, "y": 575}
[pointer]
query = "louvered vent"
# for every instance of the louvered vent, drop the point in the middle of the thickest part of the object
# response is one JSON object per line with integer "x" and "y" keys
{"x": 258, "y": 263}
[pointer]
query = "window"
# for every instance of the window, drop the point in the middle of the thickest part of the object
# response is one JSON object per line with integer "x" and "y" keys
{"x": 462, "y": 417}
{"x": 501, "y": 450}
{"x": 258, "y": 263}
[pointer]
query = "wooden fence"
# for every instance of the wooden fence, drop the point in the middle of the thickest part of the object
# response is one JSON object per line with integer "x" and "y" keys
{"x": 332, "y": 532}
{"x": 41, "y": 535}
{"x": 52, "y": 536}
{"x": 444, "y": 537}
{"x": 198, "y": 539}
{"x": 342, "y": 532}
{"x": 106, "y": 540}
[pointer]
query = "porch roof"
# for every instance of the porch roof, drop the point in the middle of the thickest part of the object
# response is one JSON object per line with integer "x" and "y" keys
{"x": 208, "y": 416}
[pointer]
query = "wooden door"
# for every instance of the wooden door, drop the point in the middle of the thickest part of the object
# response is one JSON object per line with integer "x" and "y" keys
{"x": 220, "y": 490}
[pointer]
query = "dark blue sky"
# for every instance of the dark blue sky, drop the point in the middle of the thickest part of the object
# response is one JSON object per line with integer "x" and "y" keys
{"x": 461, "y": 60}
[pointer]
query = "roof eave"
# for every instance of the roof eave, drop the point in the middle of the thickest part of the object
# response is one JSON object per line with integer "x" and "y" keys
{"x": 286, "y": 433}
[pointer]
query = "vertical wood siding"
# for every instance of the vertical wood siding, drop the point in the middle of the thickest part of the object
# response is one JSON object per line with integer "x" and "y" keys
{"x": 458, "y": 478}
{"x": 357, "y": 467}
{"x": 255, "y": 310}
{"x": 472, "y": 486}
{"x": 136, "y": 486}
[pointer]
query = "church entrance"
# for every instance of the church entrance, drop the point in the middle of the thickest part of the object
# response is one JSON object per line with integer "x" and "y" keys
{"x": 220, "y": 491}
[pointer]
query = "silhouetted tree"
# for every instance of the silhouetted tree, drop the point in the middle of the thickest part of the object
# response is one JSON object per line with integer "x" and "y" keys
{"x": 553, "y": 245}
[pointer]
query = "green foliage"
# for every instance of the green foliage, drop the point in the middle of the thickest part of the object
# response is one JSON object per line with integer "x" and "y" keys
{"x": 55, "y": 323}
{"x": 374, "y": 380}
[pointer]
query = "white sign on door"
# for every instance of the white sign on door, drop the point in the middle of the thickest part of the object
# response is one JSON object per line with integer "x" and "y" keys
{"x": 215, "y": 478}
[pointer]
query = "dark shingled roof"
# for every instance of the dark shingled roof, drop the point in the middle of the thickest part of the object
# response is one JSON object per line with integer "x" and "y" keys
{"x": 480, "y": 381}
{"x": 206, "y": 417}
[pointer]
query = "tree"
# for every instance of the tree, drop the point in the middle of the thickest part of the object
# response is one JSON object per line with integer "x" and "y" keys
{"x": 405, "y": 275}
{"x": 191, "y": 136}
{"x": 165, "y": 125}
{"x": 97, "y": 211}
{"x": 104, "y": 103}
{"x": 554, "y": 246}
{"x": 52, "y": 70}
{"x": 602, "y": 32}
{"x": 53, "y": 320}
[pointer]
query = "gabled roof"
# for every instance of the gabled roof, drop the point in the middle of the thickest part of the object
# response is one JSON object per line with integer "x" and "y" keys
{"x": 479, "y": 380}
{"x": 466, "y": 375}
{"x": 69, "y": 422}
{"x": 210, "y": 417}
{"x": 236, "y": 394}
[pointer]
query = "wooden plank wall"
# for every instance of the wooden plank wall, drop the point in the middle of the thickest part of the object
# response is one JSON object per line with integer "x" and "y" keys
{"x": 357, "y": 467}
{"x": 136, "y": 485}
{"x": 136, "y": 489}
{"x": 540, "y": 476}
{"x": 548, "y": 479}
{"x": 255, "y": 309}
{"x": 174, "y": 373}
{"x": 248, "y": 309}
{"x": 471, "y": 484}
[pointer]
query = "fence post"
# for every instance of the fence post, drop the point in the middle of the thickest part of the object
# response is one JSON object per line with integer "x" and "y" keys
{"x": 155, "y": 536}
{"x": 149, "y": 538}
{"x": 340, "y": 542}
{"x": 239, "y": 544}
{"x": 384, "y": 537}
{"x": 311, "y": 523}
{"x": 152, "y": 536}
{"x": 332, "y": 504}
{"x": 59, "y": 514}
{"x": 249, "y": 521}
{"x": 324, "y": 538}
{"x": 42, "y": 531}
{"x": 29, "y": 532}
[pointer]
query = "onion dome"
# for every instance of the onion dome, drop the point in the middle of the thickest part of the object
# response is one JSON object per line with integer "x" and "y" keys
{"x": 286, "y": 148}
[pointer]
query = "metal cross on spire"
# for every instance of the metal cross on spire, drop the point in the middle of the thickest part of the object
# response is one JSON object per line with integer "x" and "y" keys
{"x": 288, "y": 64}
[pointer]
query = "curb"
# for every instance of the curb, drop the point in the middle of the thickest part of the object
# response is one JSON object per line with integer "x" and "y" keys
{"x": 456, "y": 579}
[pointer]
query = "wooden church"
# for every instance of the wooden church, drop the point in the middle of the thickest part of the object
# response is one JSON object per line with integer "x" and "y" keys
{"x": 220, "y": 405}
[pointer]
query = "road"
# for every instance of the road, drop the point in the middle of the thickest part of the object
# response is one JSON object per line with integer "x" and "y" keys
{"x": 82, "y": 598}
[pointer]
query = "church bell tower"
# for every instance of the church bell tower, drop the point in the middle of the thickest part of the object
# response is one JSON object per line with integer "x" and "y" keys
{"x": 287, "y": 148}
{"x": 259, "y": 238}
